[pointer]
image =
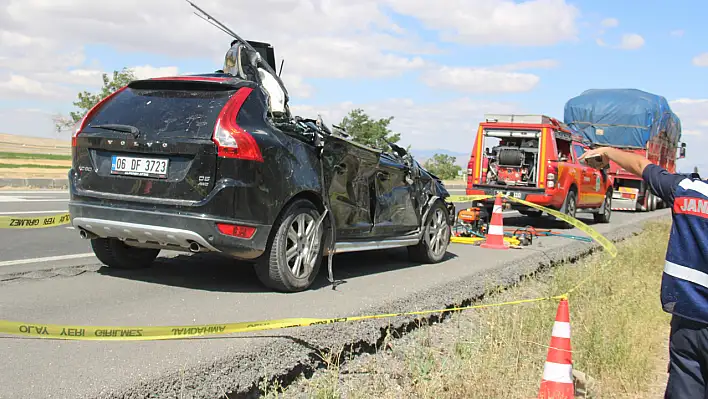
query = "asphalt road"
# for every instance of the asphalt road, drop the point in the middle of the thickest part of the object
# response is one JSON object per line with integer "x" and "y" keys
{"x": 194, "y": 289}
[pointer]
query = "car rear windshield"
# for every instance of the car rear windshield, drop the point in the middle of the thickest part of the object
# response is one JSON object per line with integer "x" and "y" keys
{"x": 164, "y": 113}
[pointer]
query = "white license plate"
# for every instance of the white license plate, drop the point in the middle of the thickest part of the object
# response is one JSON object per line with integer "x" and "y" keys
{"x": 134, "y": 166}
{"x": 514, "y": 194}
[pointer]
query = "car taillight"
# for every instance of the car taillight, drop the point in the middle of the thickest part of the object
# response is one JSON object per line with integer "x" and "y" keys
{"x": 236, "y": 230}
{"x": 231, "y": 140}
{"x": 82, "y": 123}
{"x": 551, "y": 176}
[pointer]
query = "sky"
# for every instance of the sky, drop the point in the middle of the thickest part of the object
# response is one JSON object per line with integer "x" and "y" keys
{"x": 436, "y": 67}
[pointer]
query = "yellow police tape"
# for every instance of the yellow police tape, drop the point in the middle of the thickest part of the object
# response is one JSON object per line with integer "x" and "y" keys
{"x": 607, "y": 244}
{"x": 145, "y": 333}
{"x": 7, "y": 222}
{"x": 474, "y": 240}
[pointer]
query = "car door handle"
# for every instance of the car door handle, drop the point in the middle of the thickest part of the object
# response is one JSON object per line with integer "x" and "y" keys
{"x": 383, "y": 176}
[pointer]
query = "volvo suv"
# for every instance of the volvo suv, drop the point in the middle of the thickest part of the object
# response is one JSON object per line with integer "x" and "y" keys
{"x": 216, "y": 163}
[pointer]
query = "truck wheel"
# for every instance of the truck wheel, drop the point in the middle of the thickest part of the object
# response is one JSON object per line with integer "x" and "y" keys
{"x": 652, "y": 202}
{"x": 116, "y": 254}
{"x": 605, "y": 210}
{"x": 294, "y": 253}
{"x": 436, "y": 237}
{"x": 570, "y": 208}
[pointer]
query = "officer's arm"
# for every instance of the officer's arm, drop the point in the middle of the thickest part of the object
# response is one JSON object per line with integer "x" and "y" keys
{"x": 661, "y": 182}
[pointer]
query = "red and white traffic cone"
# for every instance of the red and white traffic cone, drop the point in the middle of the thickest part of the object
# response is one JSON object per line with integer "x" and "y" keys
{"x": 495, "y": 234}
{"x": 557, "y": 382}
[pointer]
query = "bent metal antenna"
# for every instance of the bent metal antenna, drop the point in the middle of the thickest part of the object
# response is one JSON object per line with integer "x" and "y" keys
{"x": 205, "y": 16}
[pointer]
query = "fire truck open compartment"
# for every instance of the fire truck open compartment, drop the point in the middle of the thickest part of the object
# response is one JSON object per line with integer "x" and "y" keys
{"x": 515, "y": 160}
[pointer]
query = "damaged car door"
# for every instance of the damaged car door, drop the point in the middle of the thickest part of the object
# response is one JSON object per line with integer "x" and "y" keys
{"x": 396, "y": 213}
{"x": 351, "y": 168}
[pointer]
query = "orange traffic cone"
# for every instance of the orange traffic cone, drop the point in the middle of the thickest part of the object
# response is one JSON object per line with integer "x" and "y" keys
{"x": 495, "y": 234}
{"x": 557, "y": 382}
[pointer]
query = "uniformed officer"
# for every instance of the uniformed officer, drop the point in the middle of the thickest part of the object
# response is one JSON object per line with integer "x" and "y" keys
{"x": 684, "y": 284}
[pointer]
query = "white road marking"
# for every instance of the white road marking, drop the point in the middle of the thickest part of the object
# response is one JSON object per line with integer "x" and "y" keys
{"x": 46, "y": 259}
{"x": 20, "y": 199}
{"x": 35, "y": 192}
{"x": 32, "y": 212}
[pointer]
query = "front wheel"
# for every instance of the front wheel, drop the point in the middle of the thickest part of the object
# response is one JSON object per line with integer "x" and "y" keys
{"x": 605, "y": 211}
{"x": 436, "y": 237}
{"x": 294, "y": 254}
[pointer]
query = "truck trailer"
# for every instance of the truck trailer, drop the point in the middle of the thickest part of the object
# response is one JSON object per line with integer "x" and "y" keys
{"x": 632, "y": 120}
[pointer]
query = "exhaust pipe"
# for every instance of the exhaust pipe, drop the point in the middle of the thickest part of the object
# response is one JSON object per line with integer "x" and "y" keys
{"x": 195, "y": 247}
{"x": 86, "y": 235}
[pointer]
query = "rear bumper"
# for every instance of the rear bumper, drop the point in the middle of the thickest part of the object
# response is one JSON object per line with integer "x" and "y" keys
{"x": 537, "y": 196}
{"x": 623, "y": 204}
{"x": 166, "y": 230}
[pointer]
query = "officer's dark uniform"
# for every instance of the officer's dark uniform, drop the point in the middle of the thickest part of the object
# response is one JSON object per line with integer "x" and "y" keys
{"x": 684, "y": 284}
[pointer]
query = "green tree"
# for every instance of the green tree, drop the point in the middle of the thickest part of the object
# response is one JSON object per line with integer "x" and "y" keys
{"x": 86, "y": 100}
{"x": 367, "y": 131}
{"x": 443, "y": 166}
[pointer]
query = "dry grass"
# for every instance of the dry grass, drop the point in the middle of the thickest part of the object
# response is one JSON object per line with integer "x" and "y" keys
{"x": 34, "y": 145}
{"x": 619, "y": 336}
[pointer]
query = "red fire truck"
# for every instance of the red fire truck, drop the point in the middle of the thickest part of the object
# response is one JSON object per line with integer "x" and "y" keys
{"x": 536, "y": 158}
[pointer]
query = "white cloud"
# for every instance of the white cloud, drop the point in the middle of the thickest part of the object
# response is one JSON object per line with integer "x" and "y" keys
{"x": 527, "y": 23}
{"x": 149, "y": 71}
{"x": 610, "y": 22}
{"x": 536, "y": 64}
{"x": 694, "y": 127}
{"x": 701, "y": 60}
{"x": 631, "y": 41}
{"x": 19, "y": 86}
{"x": 693, "y": 114}
{"x": 450, "y": 124}
{"x": 479, "y": 80}
{"x": 678, "y": 33}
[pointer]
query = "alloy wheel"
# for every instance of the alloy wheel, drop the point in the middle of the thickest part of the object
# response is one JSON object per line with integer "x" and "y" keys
{"x": 438, "y": 232}
{"x": 303, "y": 245}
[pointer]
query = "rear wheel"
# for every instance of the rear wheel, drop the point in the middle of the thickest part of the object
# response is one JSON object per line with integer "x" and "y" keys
{"x": 436, "y": 237}
{"x": 653, "y": 202}
{"x": 605, "y": 211}
{"x": 294, "y": 254}
{"x": 115, "y": 253}
{"x": 570, "y": 207}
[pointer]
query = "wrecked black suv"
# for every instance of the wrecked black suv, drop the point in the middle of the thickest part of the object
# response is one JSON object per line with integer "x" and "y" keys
{"x": 215, "y": 162}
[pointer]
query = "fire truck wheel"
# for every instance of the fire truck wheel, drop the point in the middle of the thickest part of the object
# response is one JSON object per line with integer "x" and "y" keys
{"x": 570, "y": 207}
{"x": 605, "y": 211}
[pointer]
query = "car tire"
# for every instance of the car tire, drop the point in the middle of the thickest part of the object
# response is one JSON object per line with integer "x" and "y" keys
{"x": 436, "y": 236}
{"x": 570, "y": 208}
{"x": 116, "y": 254}
{"x": 605, "y": 210}
{"x": 282, "y": 268}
